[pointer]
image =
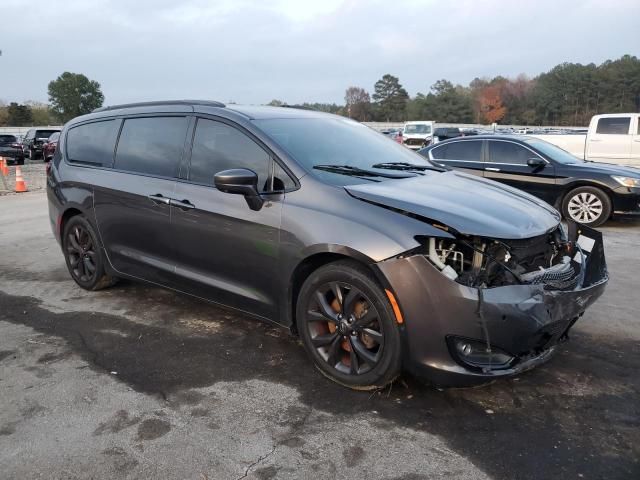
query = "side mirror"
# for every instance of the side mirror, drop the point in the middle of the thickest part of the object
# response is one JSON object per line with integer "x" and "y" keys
{"x": 536, "y": 162}
{"x": 240, "y": 181}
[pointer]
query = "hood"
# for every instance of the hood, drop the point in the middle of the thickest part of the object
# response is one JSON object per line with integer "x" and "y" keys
{"x": 609, "y": 169}
{"x": 468, "y": 204}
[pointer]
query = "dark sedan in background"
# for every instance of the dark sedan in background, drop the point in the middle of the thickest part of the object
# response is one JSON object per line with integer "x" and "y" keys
{"x": 49, "y": 147}
{"x": 586, "y": 192}
{"x": 11, "y": 149}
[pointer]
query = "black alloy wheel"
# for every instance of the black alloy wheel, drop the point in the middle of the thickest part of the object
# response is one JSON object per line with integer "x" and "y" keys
{"x": 84, "y": 256}
{"x": 348, "y": 326}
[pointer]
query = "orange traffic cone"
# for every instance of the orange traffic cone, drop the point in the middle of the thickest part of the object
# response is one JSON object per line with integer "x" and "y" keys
{"x": 4, "y": 169}
{"x": 20, "y": 185}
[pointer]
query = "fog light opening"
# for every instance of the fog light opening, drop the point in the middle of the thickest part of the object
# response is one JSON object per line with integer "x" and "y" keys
{"x": 477, "y": 354}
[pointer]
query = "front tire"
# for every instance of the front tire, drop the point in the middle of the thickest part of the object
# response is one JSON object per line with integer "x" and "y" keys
{"x": 83, "y": 255}
{"x": 587, "y": 205}
{"x": 348, "y": 327}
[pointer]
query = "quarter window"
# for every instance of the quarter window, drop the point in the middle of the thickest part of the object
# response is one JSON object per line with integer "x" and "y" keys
{"x": 152, "y": 145}
{"x": 507, "y": 152}
{"x": 614, "y": 125}
{"x": 93, "y": 143}
{"x": 467, "y": 150}
{"x": 218, "y": 146}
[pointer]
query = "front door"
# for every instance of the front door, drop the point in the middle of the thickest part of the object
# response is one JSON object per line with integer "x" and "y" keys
{"x": 227, "y": 252}
{"x": 635, "y": 145}
{"x": 507, "y": 163}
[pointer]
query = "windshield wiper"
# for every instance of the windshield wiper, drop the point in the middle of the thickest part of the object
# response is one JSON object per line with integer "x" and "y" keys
{"x": 408, "y": 166}
{"x": 357, "y": 172}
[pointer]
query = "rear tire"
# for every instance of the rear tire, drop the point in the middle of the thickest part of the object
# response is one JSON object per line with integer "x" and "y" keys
{"x": 83, "y": 255}
{"x": 348, "y": 327}
{"x": 587, "y": 205}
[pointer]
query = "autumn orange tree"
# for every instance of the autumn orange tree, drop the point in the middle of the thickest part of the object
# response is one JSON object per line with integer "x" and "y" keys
{"x": 491, "y": 104}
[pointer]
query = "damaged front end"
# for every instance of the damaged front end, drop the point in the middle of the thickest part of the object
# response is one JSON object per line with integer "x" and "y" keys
{"x": 478, "y": 308}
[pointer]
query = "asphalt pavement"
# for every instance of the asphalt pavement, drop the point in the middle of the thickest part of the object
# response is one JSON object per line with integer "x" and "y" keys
{"x": 140, "y": 382}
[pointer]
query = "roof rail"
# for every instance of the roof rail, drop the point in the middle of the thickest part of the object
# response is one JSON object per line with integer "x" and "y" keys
{"x": 208, "y": 103}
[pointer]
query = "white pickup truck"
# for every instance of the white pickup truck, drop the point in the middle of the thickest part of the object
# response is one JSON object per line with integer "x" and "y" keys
{"x": 612, "y": 138}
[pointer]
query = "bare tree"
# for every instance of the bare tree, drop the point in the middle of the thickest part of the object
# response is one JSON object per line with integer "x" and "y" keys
{"x": 358, "y": 103}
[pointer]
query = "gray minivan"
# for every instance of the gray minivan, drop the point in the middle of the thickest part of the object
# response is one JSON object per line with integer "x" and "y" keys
{"x": 376, "y": 257}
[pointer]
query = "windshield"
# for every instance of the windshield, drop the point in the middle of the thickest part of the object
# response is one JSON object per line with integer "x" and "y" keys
{"x": 552, "y": 151}
{"x": 318, "y": 142}
{"x": 417, "y": 128}
{"x": 6, "y": 139}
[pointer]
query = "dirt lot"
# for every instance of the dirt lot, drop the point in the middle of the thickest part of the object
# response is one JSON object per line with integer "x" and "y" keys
{"x": 140, "y": 382}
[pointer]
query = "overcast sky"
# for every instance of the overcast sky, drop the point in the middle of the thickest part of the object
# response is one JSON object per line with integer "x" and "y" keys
{"x": 297, "y": 50}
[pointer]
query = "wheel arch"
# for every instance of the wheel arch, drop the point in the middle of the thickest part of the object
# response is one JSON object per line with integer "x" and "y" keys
{"x": 583, "y": 183}
{"x": 316, "y": 257}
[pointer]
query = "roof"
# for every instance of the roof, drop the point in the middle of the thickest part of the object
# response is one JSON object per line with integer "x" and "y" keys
{"x": 208, "y": 103}
{"x": 259, "y": 112}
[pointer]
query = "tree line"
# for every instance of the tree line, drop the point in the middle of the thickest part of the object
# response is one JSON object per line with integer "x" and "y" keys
{"x": 568, "y": 94}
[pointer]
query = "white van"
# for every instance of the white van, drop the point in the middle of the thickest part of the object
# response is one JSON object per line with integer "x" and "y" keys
{"x": 417, "y": 134}
{"x": 613, "y": 138}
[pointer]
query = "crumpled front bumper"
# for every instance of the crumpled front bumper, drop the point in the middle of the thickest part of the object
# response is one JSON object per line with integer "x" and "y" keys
{"x": 525, "y": 321}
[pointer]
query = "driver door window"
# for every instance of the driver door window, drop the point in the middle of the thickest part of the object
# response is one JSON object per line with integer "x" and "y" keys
{"x": 508, "y": 153}
{"x": 218, "y": 146}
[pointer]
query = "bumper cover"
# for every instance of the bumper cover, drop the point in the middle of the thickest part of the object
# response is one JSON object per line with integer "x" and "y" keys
{"x": 525, "y": 321}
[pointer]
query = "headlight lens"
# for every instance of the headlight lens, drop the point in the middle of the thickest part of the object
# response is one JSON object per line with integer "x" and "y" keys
{"x": 627, "y": 181}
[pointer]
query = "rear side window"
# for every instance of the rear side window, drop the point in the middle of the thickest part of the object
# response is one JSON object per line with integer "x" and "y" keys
{"x": 93, "y": 143}
{"x": 507, "y": 152}
{"x": 218, "y": 146}
{"x": 469, "y": 150}
{"x": 152, "y": 145}
{"x": 45, "y": 133}
{"x": 614, "y": 125}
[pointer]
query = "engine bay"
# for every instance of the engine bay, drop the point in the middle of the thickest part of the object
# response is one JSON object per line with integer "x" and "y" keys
{"x": 551, "y": 260}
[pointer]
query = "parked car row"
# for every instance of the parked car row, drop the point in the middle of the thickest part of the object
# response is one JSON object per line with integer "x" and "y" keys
{"x": 36, "y": 143}
{"x": 379, "y": 259}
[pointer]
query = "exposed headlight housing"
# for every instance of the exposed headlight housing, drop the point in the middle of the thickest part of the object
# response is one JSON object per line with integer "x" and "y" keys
{"x": 627, "y": 181}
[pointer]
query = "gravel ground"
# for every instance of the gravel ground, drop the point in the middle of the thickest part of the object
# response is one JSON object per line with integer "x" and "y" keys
{"x": 141, "y": 382}
{"x": 34, "y": 174}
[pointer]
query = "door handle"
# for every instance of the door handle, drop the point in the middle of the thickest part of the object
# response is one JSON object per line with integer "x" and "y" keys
{"x": 491, "y": 169}
{"x": 159, "y": 199}
{"x": 595, "y": 140}
{"x": 182, "y": 205}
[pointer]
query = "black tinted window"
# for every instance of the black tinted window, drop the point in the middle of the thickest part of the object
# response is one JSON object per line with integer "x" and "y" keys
{"x": 93, "y": 142}
{"x": 281, "y": 180}
{"x": 507, "y": 152}
{"x": 151, "y": 145}
{"x": 217, "y": 147}
{"x": 471, "y": 151}
{"x": 615, "y": 126}
{"x": 6, "y": 139}
{"x": 45, "y": 133}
